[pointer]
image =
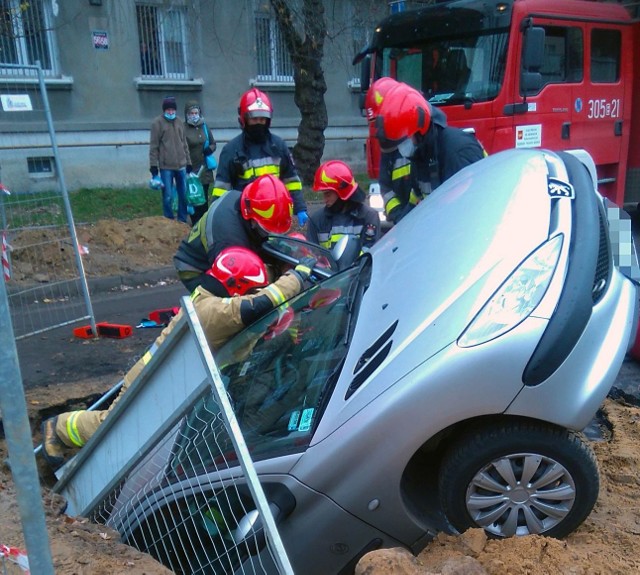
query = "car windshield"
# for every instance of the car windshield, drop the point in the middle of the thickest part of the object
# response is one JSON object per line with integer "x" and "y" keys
{"x": 279, "y": 374}
{"x": 451, "y": 70}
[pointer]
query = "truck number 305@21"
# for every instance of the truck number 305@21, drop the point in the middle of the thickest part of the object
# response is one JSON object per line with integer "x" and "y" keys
{"x": 603, "y": 108}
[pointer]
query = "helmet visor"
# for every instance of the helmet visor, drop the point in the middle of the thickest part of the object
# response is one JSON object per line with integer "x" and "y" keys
{"x": 387, "y": 144}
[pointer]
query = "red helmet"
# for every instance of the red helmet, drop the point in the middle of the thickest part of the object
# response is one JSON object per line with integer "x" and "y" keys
{"x": 376, "y": 94}
{"x": 254, "y": 104}
{"x": 336, "y": 176}
{"x": 239, "y": 270}
{"x": 267, "y": 202}
{"x": 403, "y": 113}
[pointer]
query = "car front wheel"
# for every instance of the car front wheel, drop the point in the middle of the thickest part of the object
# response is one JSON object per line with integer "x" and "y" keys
{"x": 519, "y": 478}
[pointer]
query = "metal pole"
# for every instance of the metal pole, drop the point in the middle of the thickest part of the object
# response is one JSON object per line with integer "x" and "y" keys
{"x": 65, "y": 199}
{"x": 19, "y": 442}
{"x": 233, "y": 428}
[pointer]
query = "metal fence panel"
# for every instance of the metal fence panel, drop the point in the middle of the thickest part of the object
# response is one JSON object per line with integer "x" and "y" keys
{"x": 37, "y": 227}
{"x": 136, "y": 474}
{"x": 15, "y": 423}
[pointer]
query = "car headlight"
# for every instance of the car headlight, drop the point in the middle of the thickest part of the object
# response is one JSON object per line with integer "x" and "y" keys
{"x": 517, "y": 297}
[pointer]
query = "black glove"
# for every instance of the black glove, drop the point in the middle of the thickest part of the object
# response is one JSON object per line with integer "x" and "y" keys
{"x": 208, "y": 151}
{"x": 189, "y": 168}
{"x": 305, "y": 268}
{"x": 154, "y": 171}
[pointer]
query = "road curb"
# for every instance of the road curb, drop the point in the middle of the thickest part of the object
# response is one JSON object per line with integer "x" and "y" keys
{"x": 121, "y": 282}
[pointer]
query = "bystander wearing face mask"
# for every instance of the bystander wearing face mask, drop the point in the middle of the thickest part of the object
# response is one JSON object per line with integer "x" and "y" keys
{"x": 193, "y": 117}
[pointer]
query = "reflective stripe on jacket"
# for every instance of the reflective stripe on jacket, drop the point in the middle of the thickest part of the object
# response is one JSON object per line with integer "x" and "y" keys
{"x": 242, "y": 161}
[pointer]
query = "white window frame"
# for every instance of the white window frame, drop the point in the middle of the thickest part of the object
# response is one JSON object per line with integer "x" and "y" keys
{"x": 164, "y": 19}
{"x": 21, "y": 48}
{"x": 273, "y": 62}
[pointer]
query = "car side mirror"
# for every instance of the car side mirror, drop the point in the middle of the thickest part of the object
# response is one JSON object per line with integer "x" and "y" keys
{"x": 346, "y": 250}
{"x": 250, "y": 530}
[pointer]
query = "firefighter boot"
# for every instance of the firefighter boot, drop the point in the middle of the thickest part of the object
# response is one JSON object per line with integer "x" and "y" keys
{"x": 53, "y": 449}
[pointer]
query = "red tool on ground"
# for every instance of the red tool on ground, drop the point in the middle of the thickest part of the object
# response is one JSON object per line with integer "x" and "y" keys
{"x": 163, "y": 315}
{"x": 105, "y": 329}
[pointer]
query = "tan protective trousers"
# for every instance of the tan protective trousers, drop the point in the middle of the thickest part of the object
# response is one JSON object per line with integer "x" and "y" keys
{"x": 220, "y": 318}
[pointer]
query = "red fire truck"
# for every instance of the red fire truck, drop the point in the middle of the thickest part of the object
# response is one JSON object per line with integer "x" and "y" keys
{"x": 557, "y": 74}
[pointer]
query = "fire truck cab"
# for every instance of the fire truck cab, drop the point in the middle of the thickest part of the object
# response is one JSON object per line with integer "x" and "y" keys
{"x": 555, "y": 74}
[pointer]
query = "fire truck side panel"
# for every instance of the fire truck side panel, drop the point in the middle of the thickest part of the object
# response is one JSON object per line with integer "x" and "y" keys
{"x": 587, "y": 98}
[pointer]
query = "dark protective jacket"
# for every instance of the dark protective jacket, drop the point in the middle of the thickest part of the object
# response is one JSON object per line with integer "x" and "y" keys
{"x": 440, "y": 154}
{"x": 242, "y": 161}
{"x": 222, "y": 226}
{"x": 357, "y": 219}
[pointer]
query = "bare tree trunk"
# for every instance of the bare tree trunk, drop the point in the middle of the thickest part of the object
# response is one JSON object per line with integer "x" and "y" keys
{"x": 310, "y": 86}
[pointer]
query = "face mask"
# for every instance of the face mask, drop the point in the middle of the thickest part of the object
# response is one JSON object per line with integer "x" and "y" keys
{"x": 193, "y": 119}
{"x": 337, "y": 206}
{"x": 257, "y": 133}
{"x": 170, "y": 116}
{"x": 407, "y": 148}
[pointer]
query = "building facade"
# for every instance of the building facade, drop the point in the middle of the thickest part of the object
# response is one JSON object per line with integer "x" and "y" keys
{"x": 109, "y": 63}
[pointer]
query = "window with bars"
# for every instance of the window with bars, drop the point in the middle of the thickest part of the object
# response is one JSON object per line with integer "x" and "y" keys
{"x": 163, "y": 45}
{"x": 274, "y": 62}
{"x": 25, "y": 34}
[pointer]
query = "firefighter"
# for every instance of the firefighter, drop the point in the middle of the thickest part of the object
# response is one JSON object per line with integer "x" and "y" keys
{"x": 237, "y": 219}
{"x": 243, "y": 277}
{"x": 257, "y": 151}
{"x": 345, "y": 211}
{"x": 408, "y": 124}
{"x": 394, "y": 170}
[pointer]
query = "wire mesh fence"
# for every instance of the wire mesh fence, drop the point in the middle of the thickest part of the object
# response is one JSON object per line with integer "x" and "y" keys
{"x": 190, "y": 520}
{"x": 184, "y": 488}
{"x": 37, "y": 225}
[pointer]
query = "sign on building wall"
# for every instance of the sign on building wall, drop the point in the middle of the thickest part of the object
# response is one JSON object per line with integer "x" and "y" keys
{"x": 16, "y": 102}
{"x": 100, "y": 40}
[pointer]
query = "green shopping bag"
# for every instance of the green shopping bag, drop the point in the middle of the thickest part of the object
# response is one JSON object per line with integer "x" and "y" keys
{"x": 195, "y": 191}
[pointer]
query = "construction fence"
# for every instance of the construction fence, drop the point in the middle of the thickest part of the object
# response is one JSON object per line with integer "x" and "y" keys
{"x": 37, "y": 226}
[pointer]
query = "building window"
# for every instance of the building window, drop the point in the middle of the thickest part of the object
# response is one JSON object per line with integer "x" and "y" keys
{"x": 163, "y": 47}
{"x": 26, "y": 35}
{"x": 40, "y": 166}
{"x": 274, "y": 63}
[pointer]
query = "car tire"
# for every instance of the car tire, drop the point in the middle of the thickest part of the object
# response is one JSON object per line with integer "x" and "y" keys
{"x": 481, "y": 480}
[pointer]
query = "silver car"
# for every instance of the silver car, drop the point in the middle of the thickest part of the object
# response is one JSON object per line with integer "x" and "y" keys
{"x": 439, "y": 383}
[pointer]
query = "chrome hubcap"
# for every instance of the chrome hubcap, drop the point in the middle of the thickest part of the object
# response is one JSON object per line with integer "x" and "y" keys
{"x": 520, "y": 494}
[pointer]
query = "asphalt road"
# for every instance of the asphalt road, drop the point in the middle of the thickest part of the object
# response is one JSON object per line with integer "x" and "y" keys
{"x": 57, "y": 356}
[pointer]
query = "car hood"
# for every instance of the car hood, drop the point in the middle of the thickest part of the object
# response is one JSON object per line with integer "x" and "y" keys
{"x": 433, "y": 272}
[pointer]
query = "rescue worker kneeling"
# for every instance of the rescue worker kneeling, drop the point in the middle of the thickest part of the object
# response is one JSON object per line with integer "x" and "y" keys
{"x": 243, "y": 275}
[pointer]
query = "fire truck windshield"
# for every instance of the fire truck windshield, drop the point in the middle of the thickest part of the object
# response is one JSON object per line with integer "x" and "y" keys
{"x": 451, "y": 70}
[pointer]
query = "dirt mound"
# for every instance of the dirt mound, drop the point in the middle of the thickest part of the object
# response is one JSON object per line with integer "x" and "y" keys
{"x": 108, "y": 247}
